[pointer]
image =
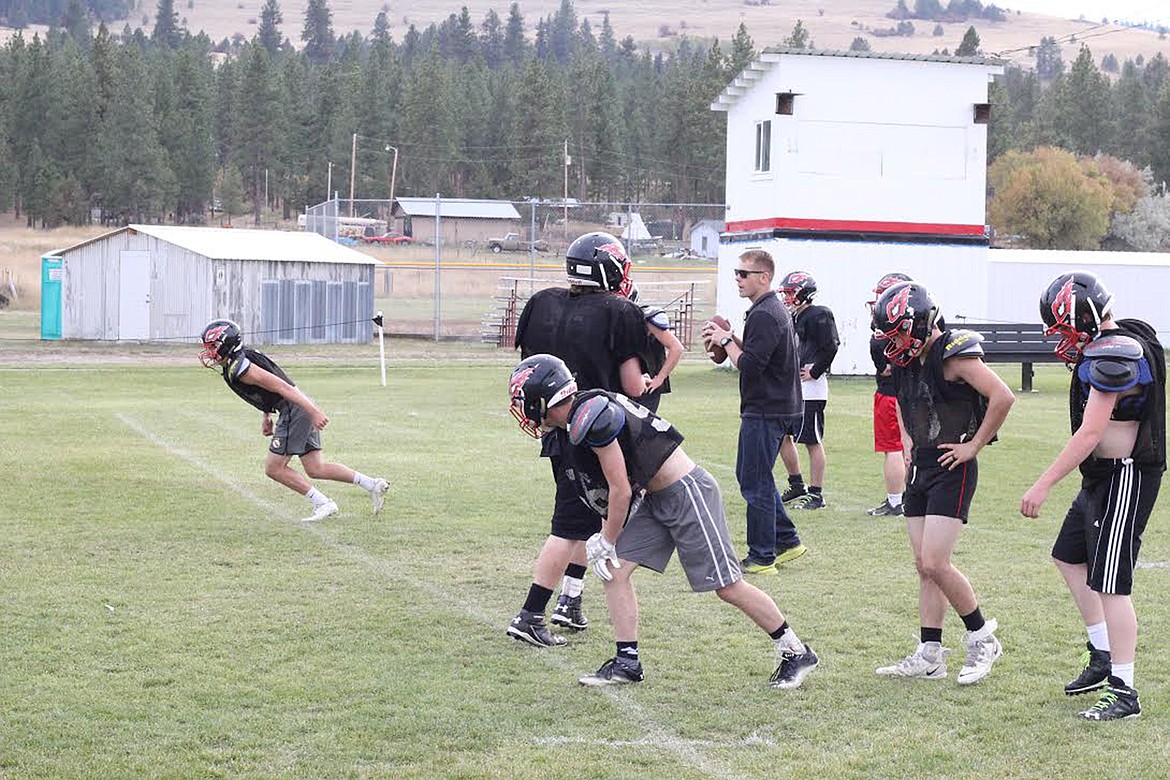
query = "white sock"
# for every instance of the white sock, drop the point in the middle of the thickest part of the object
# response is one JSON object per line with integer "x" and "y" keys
{"x": 364, "y": 482}
{"x": 572, "y": 586}
{"x": 789, "y": 642}
{"x": 895, "y": 499}
{"x": 317, "y": 497}
{"x": 1124, "y": 672}
{"x": 1098, "y": 636}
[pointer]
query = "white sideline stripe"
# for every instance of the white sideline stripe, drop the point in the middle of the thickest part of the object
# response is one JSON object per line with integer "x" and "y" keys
{"x": 657, "y": 735}
{"x": 751, "y": 739}
{"x": 1153, "y": 565}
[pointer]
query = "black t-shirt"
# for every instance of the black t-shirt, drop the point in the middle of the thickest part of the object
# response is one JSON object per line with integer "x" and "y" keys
{"x": 593, "y": 332}
{"x": 816, "y": 330}
{"x": 262, "y": 399}
{"x": 646, "y": 441}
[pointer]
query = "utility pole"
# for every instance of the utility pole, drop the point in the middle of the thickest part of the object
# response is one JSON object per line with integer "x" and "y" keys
{"x": 565, "y": 218}
{"x": 352, "y": 170}
{"x": 329, "y": 182}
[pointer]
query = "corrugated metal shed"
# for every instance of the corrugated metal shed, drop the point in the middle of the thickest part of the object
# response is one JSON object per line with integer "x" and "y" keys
{"x": 457, "y": 208}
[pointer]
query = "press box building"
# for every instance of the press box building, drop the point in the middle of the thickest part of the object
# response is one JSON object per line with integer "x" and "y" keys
{"x": 155, "y": 283}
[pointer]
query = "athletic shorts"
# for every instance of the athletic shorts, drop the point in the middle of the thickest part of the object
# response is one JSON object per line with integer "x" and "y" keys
{"x": 813, "y": 429}
{"x": 1104, "y": 525}
{"x": 293, "y": 433}
{"x": 686, "y": 516}
{"x": 887, "y": 435}
{"x": 572, "y": 517}
{"x": 932, "y": 489}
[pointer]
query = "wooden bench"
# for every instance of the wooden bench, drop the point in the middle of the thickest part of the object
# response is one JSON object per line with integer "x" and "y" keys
{"x": 1015, "y": 342}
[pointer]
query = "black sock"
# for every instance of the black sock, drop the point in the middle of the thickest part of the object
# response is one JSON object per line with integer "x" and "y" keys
{"x": 926, "y": 634}
{"x": 575, "y": 570}
{"x": 628, "y": 651}
{"x": 537, "y": 600}
{"x": 795, "y": 479}
{"x": 973, "y": 621}
{"x": 780, "y": 631}
{"x": 814, "y": 489}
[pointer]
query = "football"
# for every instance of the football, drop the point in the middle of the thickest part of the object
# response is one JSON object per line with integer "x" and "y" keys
{"x": 717, "y": 353}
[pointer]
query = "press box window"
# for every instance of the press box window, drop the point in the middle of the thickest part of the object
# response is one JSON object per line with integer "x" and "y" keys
{"x": 785, "y": 103}
{"x": 763, "y": 146}
{"x": 982, "y": 113}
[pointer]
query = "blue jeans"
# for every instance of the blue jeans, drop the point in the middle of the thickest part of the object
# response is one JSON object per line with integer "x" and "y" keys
{"x": 769, "y": 529}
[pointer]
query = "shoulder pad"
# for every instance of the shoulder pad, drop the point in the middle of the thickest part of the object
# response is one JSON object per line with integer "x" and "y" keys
{"x": 963, "y": 342}
{"x": 596, "y": 422}
{"x": 656, "y": 317}
{"x": 1114, "y": 346}
{"x": 238, "y": 366}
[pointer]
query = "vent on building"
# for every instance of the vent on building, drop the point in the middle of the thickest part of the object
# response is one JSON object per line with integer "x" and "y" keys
{"x": 785, "y": 102}
{"x": 982, "y": 113}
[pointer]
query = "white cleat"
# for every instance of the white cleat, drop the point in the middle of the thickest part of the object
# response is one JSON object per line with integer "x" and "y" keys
{"x": 983, "y": 650}
{"x": 929, "y": 662}
{"x": 378, "y": 494}
{"x": 321, "y": 512}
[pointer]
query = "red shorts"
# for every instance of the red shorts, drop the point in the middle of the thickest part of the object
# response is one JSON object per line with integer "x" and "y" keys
{"x": 887, "y": 436}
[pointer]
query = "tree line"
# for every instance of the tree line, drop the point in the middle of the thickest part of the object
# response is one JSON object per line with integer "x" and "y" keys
{"x": 143, "y": 125}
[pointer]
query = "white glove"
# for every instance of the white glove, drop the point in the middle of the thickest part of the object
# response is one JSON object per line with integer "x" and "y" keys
{"x": 599, "y": 551}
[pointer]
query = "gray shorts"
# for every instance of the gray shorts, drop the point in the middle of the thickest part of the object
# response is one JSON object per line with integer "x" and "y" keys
{"x": 687, "y": 516}
{"x": 294, "y": 433}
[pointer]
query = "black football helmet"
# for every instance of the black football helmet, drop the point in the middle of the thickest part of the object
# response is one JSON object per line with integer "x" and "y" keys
{"x": 796, "y": 288}
{"x": 538, "y": 383}
{"x": 599, "y": 260}
{"x": 1073, "y": 307}
{"x": 221, "y": 339}
{"x": 904, "y": 315}
{"x": 885, "y": 283}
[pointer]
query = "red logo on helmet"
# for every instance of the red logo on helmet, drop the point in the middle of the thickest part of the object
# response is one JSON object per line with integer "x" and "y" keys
{"x": 516, "y": 385}
{"x": 898, "y": 306}
{"x": 212, "y": 337}
{"x": 614, "y": 250}
{"x": 1064, "y": 305}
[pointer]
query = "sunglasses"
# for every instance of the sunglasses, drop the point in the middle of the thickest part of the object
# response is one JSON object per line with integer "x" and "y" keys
{"x": 744, "y": 273}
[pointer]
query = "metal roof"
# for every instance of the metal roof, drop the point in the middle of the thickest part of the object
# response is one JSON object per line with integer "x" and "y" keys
{"x": 458, "y": 207}
{"x": 768, "y": 58}
{"x": 244, "y": 244}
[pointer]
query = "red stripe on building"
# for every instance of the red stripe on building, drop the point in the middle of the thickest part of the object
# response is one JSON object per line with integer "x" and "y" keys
{"x": 856, "y": 226}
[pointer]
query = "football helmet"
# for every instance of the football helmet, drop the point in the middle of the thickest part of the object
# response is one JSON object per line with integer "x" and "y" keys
{"x": 797, "y": 288}
{"x": 885, "y": 283}
{"x": 1073, "y": 307}
{"x": 538, "y": 383}
{"x": 599, "y": 260}
{"x": 904, "y": 315}
{"x": 221, "y": 339}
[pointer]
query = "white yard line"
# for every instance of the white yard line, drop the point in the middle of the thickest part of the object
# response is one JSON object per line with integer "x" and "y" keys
{"x": 658, "y": 736}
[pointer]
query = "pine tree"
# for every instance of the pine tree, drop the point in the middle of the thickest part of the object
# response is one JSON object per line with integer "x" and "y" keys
{"x": 970, "y": 44}
{"x": 742, "y": 50}
{"x": 75, "y": 21}
{"x": 166, "y": 25}
{"x": 799, "y": 37}
{"x": 515, "y": 40}
{"x": 318, "y": 32}
{"x": 269, "y": 33}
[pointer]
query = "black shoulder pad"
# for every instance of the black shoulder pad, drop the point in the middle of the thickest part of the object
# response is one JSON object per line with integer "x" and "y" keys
{"x": 963, "y": 342}
{"x": 596, "y": 422}
{"x": 1115, "y": 346}
{"x": 656, "y": 317}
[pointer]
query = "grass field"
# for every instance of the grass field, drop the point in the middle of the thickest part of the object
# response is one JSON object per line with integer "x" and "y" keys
{"x": 165, "y": 615}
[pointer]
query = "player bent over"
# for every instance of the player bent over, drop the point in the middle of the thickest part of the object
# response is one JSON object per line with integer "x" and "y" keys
{"x": 950, "y": 404}
{"x": 1117, "y": 406}
{"x": 629, "y": 467}
{"x": 257, "y": 379}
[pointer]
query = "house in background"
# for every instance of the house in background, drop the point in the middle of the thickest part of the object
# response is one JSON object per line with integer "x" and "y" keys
{"x": 705, "y": 237}
{"x": 153, "y": 282}
{"x": 463, "y": 219}
{"x": 850, "y": 165}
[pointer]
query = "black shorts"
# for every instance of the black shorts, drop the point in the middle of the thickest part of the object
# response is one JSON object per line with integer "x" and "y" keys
{"x": 572, "y": 517}
{"x": 293, "y": 433}
{"x": 1104, "y": 525}
{"x": 932, "y": 489}
{"x": 813, "y": 429}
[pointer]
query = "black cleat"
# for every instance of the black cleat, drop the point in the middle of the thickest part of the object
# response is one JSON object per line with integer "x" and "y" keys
{"x": 1118, "y": 702}
{"x": 793, "y": 668}
{"x": 795, "y": 490}
{"x": 615, "y": 671}
{"x": 1094, "y": 676}
{"x": 885, "y": 509}
{"x": 568, "y": 614}
{"x": 530, "y": 627}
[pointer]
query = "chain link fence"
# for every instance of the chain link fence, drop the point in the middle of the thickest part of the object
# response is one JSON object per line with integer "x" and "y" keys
{"x": 459, "y": 269}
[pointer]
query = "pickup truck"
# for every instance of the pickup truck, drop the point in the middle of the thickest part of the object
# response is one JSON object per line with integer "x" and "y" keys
{"x": 513, "y": 243}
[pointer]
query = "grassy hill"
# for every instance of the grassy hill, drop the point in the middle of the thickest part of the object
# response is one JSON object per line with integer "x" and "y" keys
{"x": 833, "y": 23}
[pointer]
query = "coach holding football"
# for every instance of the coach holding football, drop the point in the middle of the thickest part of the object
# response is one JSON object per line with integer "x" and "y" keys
{"x": 770, "y": 408}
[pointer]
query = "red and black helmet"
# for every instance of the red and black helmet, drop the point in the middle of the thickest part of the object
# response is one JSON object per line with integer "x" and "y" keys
{"x": 904, "y": 315}
{"x": 885, "y": 283}
{"x": 538, "y": 383}
{"x": 221, "y": 339}
{"x": 599, "y": 260}
{"x": 1073, "y": 307}
{"x": 797, "y": 288}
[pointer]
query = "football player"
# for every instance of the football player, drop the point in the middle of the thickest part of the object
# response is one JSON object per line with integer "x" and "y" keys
{"x": 257, "y": 379}
{"x": 629, "y": 468}
{"x": 887, "y": 437}
{"x": 950, "y": 405}
{"x": 1117, "y": 406}
{"x": 661, "y": 353}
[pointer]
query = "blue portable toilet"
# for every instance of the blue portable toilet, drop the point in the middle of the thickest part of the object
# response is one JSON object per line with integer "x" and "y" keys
{"x": 51, "y": 272}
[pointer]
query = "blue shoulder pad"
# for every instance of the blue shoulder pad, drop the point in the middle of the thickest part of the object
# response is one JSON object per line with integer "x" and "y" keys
{"x": 964, "y": 342}
{"x": 1114, "y": 363}
{"x": 596, "y": 422}
{"x": 656, "y": 317}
